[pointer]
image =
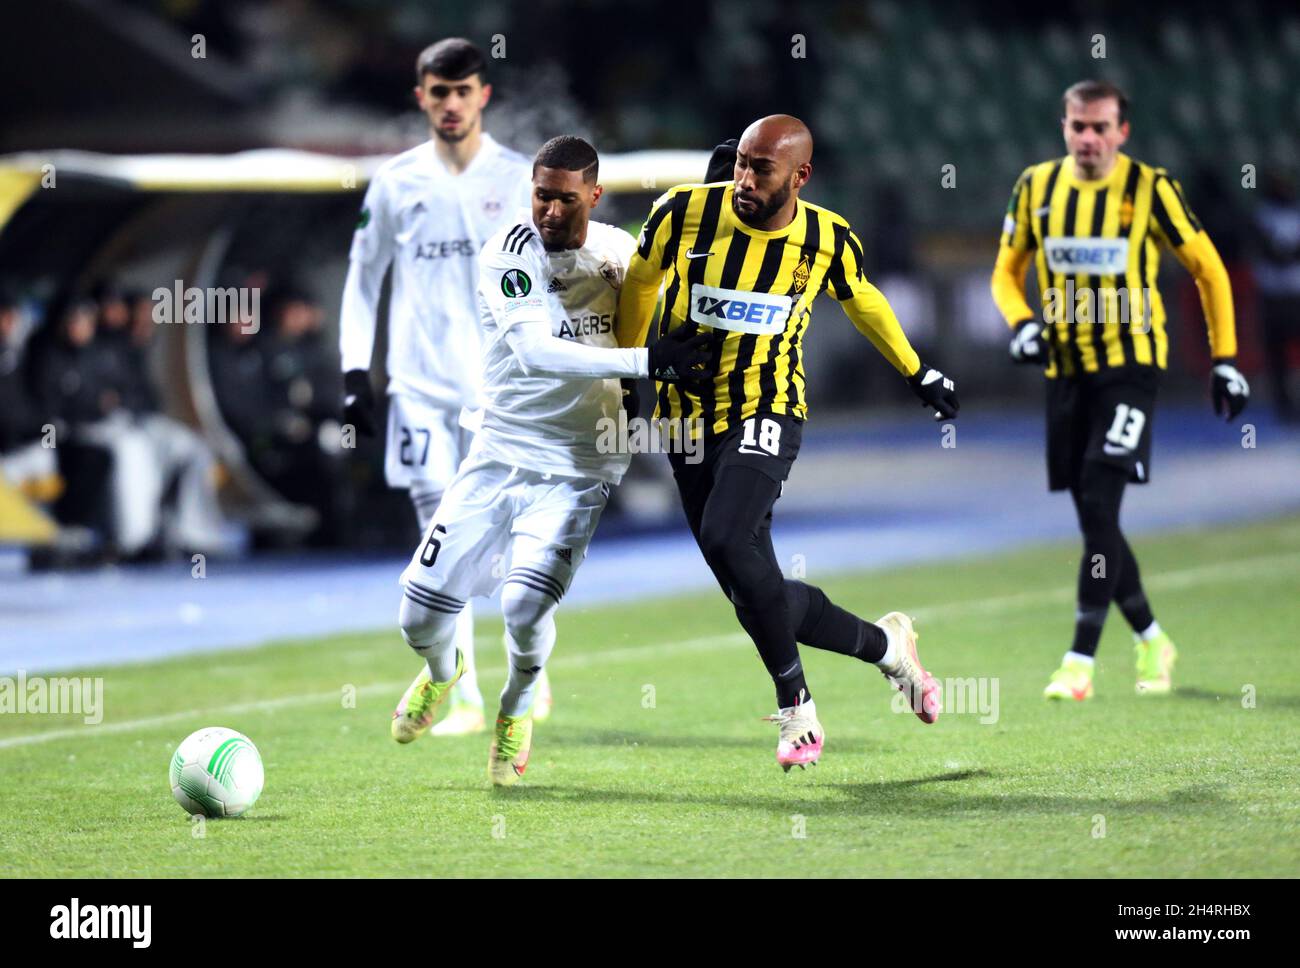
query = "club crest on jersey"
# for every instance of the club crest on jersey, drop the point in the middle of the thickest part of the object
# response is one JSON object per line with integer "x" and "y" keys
{"x": 802, "y": 273}
{"x": 1073, "y": 255}
{"x": 610, "y": 273}
{"x": 492, "y": 207}
{"x": 363, "y": 219}
{"x": 1126, "y": 214}
{"x": 515, "y": 283}
{"x": 761, "y": 313}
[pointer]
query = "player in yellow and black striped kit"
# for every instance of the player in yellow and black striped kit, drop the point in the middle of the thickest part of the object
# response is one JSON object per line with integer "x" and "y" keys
{"x": 1093, "y": 223}
{"x": 743, "y": 260}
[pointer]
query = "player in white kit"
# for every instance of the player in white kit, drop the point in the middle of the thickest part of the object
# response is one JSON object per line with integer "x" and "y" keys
{"x": 522, "y": 508}
{"x": 427, "y": 213}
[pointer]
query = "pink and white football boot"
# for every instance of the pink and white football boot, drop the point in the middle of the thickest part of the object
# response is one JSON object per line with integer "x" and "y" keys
{"x": 800, "y": 742}
{"x": 907, "y": 674}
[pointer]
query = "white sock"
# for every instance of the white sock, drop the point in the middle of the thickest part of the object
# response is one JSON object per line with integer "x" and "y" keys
{"x": 1150, "y": 632}
{"x": 530, "y": 637}
{"x": 890, "y": 658}
{"x": 466, "y": 689}
{"x": 1080, "y": 657}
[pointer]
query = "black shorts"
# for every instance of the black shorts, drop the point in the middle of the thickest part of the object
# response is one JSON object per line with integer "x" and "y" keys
{"x": 768, "y": 442}
{"x": 1104, "y": 417}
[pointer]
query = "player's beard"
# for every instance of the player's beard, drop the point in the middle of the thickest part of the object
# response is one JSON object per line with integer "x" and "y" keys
{"x": 455, "y": 137}
{"x": 452, "y": 137}
{"x": 764, "y": 212}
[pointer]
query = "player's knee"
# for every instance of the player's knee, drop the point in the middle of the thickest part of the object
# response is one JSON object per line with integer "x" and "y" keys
{"x": 725, "y": 550}
{"x": 527, "y": 613}
{"x": 421, "y": 626}
{"x": 743, "y": 567}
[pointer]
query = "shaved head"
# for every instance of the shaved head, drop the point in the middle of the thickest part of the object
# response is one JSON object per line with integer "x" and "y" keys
{"x": 773, "y": 161}
{"x": 781, "y": 137}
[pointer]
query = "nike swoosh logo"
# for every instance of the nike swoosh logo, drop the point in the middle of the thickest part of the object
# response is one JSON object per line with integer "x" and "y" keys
{"x": 1114, "y": 451}
{"x": 750, "y": 450}
{"x": 1040, "y": 212}
{"x": 690, "y": 254}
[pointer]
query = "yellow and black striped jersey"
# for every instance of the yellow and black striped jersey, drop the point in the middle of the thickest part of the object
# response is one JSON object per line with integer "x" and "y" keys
{"x": 1096, "y": 245}
{"x": 755, "y": 290}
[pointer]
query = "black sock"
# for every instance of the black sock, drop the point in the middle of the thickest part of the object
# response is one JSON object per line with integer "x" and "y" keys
{"x": 1130, "y": 597}
{"x": 735, "y": 536}
{"x": 783, "y": 665}
{"x": 1088, "y": 623}
{"x": 1097, "y": 500}
{"x": 820, "y": 623}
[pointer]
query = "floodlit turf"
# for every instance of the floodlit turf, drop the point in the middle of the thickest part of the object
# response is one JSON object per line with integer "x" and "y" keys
{"x": 656, "y": 762}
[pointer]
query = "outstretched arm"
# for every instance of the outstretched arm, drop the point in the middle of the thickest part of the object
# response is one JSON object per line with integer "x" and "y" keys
{"x": 870, "y": 312}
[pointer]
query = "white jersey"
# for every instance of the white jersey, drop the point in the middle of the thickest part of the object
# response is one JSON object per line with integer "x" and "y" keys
{"x": 543, "y": 423}
{"x": 429, "y": 224}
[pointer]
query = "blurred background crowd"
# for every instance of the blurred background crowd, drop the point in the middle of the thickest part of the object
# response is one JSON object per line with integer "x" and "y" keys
{"x": 222, "y": 438}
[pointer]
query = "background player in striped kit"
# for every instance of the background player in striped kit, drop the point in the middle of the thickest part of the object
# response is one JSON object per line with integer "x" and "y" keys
{"x": 1092, "y": 223}
{"x": 427, "y": 213}
{"x": 744, "y": 260}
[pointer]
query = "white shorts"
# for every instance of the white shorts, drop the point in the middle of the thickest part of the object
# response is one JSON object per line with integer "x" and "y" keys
{"x": 425, "y": 443}
{"x": 499, "y": 524}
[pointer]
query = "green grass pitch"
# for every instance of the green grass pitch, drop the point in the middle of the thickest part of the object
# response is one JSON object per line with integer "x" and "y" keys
{"x": 656, "y": 762}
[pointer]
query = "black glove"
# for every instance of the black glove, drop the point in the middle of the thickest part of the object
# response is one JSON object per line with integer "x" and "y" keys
{"x": 722, "y": 163}
{"x": 1228, "y": 388}
{"x": 936, "y": 392}
{"x": 682, "y": 357}
{"x": 631, "y": 397}
{"x": 359, "y": 402}
{"x": 1028, "y": 345}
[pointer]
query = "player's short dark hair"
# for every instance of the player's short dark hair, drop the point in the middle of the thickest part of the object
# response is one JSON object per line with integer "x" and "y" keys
{"x": 569, "y": 153}
{"x": 454, "y": 58}
{"x": 1087, "y": 91}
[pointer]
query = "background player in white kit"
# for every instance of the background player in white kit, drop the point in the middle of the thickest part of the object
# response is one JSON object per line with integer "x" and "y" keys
{"x": 531, "y": 491}
{"x": 427, "y": 213}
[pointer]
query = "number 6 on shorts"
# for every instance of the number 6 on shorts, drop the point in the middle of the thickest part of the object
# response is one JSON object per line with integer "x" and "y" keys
{"x": 429, "y": 553}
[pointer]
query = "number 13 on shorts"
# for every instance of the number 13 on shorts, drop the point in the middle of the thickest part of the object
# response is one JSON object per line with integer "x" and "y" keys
{"x": 1126, "y": 429}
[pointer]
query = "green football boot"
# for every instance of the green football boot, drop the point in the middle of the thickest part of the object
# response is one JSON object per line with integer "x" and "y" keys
{"x": 1072, "y": 681}
{"x": 1155, "y": 665}
{"x": 512, "y": 741}
{"x": 414, "y": 713}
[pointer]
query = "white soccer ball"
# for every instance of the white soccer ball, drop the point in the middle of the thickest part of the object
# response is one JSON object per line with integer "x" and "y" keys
{"x": 216, "y": 772}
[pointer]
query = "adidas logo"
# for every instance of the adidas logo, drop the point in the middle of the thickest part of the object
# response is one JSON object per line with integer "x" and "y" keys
{"x": 557, "y": 286}
{"x": 565, "y": 553}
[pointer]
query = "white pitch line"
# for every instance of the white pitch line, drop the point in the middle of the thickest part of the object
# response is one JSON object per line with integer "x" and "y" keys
{"x": 1241, "y": 569}
{"x": 262, "y": 705}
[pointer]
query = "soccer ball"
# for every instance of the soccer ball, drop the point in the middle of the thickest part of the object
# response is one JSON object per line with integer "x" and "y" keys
{"x": 216, "y": 772}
